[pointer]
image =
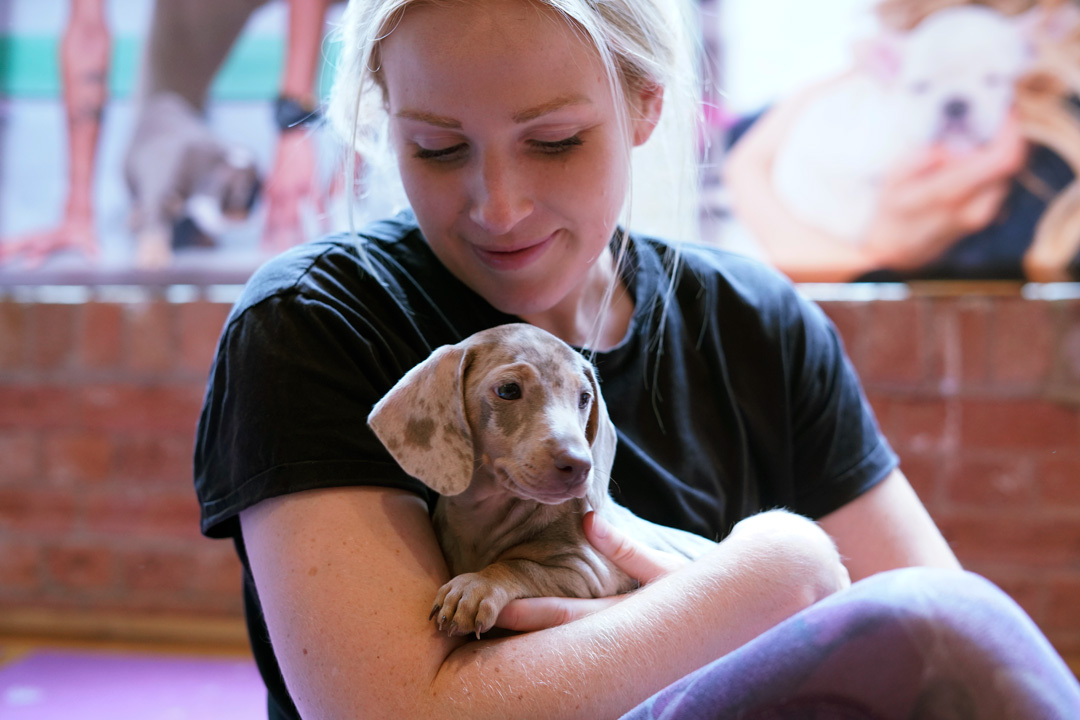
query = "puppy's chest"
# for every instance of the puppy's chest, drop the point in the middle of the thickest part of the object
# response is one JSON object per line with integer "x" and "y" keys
{"x": 472, "y": 537}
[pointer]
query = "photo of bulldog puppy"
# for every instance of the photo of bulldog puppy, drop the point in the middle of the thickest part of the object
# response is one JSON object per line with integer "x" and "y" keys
{"x": 948, "y": 81}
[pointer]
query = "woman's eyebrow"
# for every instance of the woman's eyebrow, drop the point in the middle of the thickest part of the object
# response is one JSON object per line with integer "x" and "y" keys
{"x": 429, "y": 118}
{"x": 550, "y": 106}
{"x": 518, "y": 117}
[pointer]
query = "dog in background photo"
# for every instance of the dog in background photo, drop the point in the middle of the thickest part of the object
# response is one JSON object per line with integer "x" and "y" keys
{"x": 510, "y": 428}
{"x": 829, "y": 185}
{"x": 949, "y": 81}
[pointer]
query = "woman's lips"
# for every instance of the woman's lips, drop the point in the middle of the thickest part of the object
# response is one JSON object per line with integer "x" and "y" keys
{"x": 513, "y": 259}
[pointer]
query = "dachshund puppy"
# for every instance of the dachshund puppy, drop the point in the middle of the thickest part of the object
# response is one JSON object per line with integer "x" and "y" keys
{"x": 509, "y": 427}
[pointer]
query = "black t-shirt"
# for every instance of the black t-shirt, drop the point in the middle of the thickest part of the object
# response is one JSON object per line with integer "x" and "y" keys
{"x": 734, "y": 397}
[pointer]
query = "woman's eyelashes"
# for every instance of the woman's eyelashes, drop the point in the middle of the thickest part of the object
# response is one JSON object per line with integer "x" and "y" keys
{"x": 442, "y": 154}
{"x": 456, "y": 152}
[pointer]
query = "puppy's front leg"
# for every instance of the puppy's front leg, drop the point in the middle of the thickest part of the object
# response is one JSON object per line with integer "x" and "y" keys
{"x": 471, "y": 602}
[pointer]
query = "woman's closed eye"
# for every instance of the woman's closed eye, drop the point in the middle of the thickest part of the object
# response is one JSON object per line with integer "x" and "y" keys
{"x": 557, "y": 146}
{"x": 440, "y": 154}
{"x": 455, "y": 152}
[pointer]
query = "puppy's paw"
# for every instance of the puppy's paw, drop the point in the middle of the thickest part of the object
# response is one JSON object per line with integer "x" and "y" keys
{"x": 469, "y": 605}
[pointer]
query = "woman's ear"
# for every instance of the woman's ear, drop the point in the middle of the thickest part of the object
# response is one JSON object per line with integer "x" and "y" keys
{"x": 646, "y": 104}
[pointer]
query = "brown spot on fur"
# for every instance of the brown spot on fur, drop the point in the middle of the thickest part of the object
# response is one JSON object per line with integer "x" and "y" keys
{"x": 418, "y": 432}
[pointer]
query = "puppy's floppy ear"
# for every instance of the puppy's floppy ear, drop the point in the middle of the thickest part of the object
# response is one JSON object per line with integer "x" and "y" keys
{"x": 422, "y": 422}
{"x": 600, "y": 432}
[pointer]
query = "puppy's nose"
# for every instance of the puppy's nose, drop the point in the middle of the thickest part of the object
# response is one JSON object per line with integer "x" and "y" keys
{"x": 956, "y": 109}
{"x": 573, "y": 467}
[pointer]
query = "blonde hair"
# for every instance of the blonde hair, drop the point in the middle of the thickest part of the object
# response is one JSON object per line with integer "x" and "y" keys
{"x": 641, "y": 43}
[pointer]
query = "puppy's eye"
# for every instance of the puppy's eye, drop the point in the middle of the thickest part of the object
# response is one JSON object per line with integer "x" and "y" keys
{"x": 584, "y": 400}
{"x": 509, "y": 391}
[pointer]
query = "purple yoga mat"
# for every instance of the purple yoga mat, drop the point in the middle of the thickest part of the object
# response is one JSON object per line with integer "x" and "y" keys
{"x": 50, "y": 685}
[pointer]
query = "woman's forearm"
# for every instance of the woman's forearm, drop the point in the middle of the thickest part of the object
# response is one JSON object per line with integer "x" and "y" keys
{"x": 346, "y": 578}
{"x": 604, "y": 664}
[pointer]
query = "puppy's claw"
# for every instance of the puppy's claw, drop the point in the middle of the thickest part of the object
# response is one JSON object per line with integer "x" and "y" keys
{"x": 434, "y": 610}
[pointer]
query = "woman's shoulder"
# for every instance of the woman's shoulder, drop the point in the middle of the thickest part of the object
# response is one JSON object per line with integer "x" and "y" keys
{"x": 728, "y": 277}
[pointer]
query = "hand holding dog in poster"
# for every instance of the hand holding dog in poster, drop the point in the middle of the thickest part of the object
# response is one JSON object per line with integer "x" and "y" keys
{"x": 947, "y": 152}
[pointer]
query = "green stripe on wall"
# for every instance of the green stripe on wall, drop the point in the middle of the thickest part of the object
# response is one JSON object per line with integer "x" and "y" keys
{"x": 29, "y": 68}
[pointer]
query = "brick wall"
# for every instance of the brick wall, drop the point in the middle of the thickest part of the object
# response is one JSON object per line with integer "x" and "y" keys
{"x": 98, "y": 400}
{"x": 980, "y": 396}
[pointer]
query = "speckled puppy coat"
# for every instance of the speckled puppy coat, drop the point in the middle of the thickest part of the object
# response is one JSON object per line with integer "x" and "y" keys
{"x": 510, "y": 428}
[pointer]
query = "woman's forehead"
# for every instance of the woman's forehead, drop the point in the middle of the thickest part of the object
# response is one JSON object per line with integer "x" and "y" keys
{"x": 460, "y": 49}
{"x": 498, "y": 27}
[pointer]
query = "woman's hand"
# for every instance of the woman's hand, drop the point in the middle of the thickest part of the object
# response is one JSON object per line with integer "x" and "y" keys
{"x": 796, "y": 548}
{"x": 926, "y": 205}
{"x": 938, "y": 197}
{"x": 639, "y": 561}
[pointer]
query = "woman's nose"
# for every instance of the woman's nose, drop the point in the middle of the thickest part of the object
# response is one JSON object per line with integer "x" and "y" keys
{"x": 500, "y": 198}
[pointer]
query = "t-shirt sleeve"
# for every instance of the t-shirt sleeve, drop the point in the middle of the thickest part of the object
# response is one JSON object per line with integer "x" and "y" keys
{"x": 838, "y": 451}
{"x": 286, "y": 409}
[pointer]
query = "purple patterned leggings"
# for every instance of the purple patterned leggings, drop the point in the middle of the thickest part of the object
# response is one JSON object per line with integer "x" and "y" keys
{"x": 915, "y": 644}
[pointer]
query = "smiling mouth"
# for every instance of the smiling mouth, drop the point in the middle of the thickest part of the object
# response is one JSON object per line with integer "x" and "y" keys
{"x": 515, "y": 259}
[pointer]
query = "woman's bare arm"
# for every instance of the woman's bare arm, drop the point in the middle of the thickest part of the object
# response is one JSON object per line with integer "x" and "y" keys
{"x": 886, "y": 528}
{"x": 346, "y": 578}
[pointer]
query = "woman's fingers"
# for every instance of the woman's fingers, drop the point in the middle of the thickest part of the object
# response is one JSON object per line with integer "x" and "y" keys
{"x": 639, "y": 561}
{"x": 529, "y": 614}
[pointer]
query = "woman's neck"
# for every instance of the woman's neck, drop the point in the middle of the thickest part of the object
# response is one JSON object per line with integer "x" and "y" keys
{"x": 576, "y": 319}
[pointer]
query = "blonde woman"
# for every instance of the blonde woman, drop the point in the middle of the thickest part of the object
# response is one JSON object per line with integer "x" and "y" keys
{"x": 512, "y": 122}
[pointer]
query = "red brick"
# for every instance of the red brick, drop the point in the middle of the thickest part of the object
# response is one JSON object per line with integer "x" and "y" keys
{"x": 162, "y": 459}
{"x": 101, "y": 340}
{"x": 1022, "y": 343}
{"x": 35, "y": 406}
{"x": 20, "y": 566}
{"x": 1064, "y": 604}
{"x": 942, "y": 352}
{"x": 135, "y": 513}
{"x": 973, "y": 325}
{"x": 1002, "y": 481}
{"x": 199, "y": 325}
{"x": 219, "y": 570}
{"x": 1068, "y": 359}
{"x": 37, "y": 511}
{"x": 151, "y": 340}
{"x": 82, "y": 567}
{"x": 141, "y": 408}
{"x": 893, "y": 344}
{"x": 924, "y": 472}
{"x": 917, "y": 424}
{"x": 1020, "y": 424}
{"x": 165, "y": 571}
{"x": 76, "y": 458}
{"x": 19, "y": 456}
{"x": 1058, "y": 475}
{"x": 54, "y": 335}
{"x": 13, "y": 335}
{"x": 1005, "y": 538}
{"x": 850, "y": 320}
